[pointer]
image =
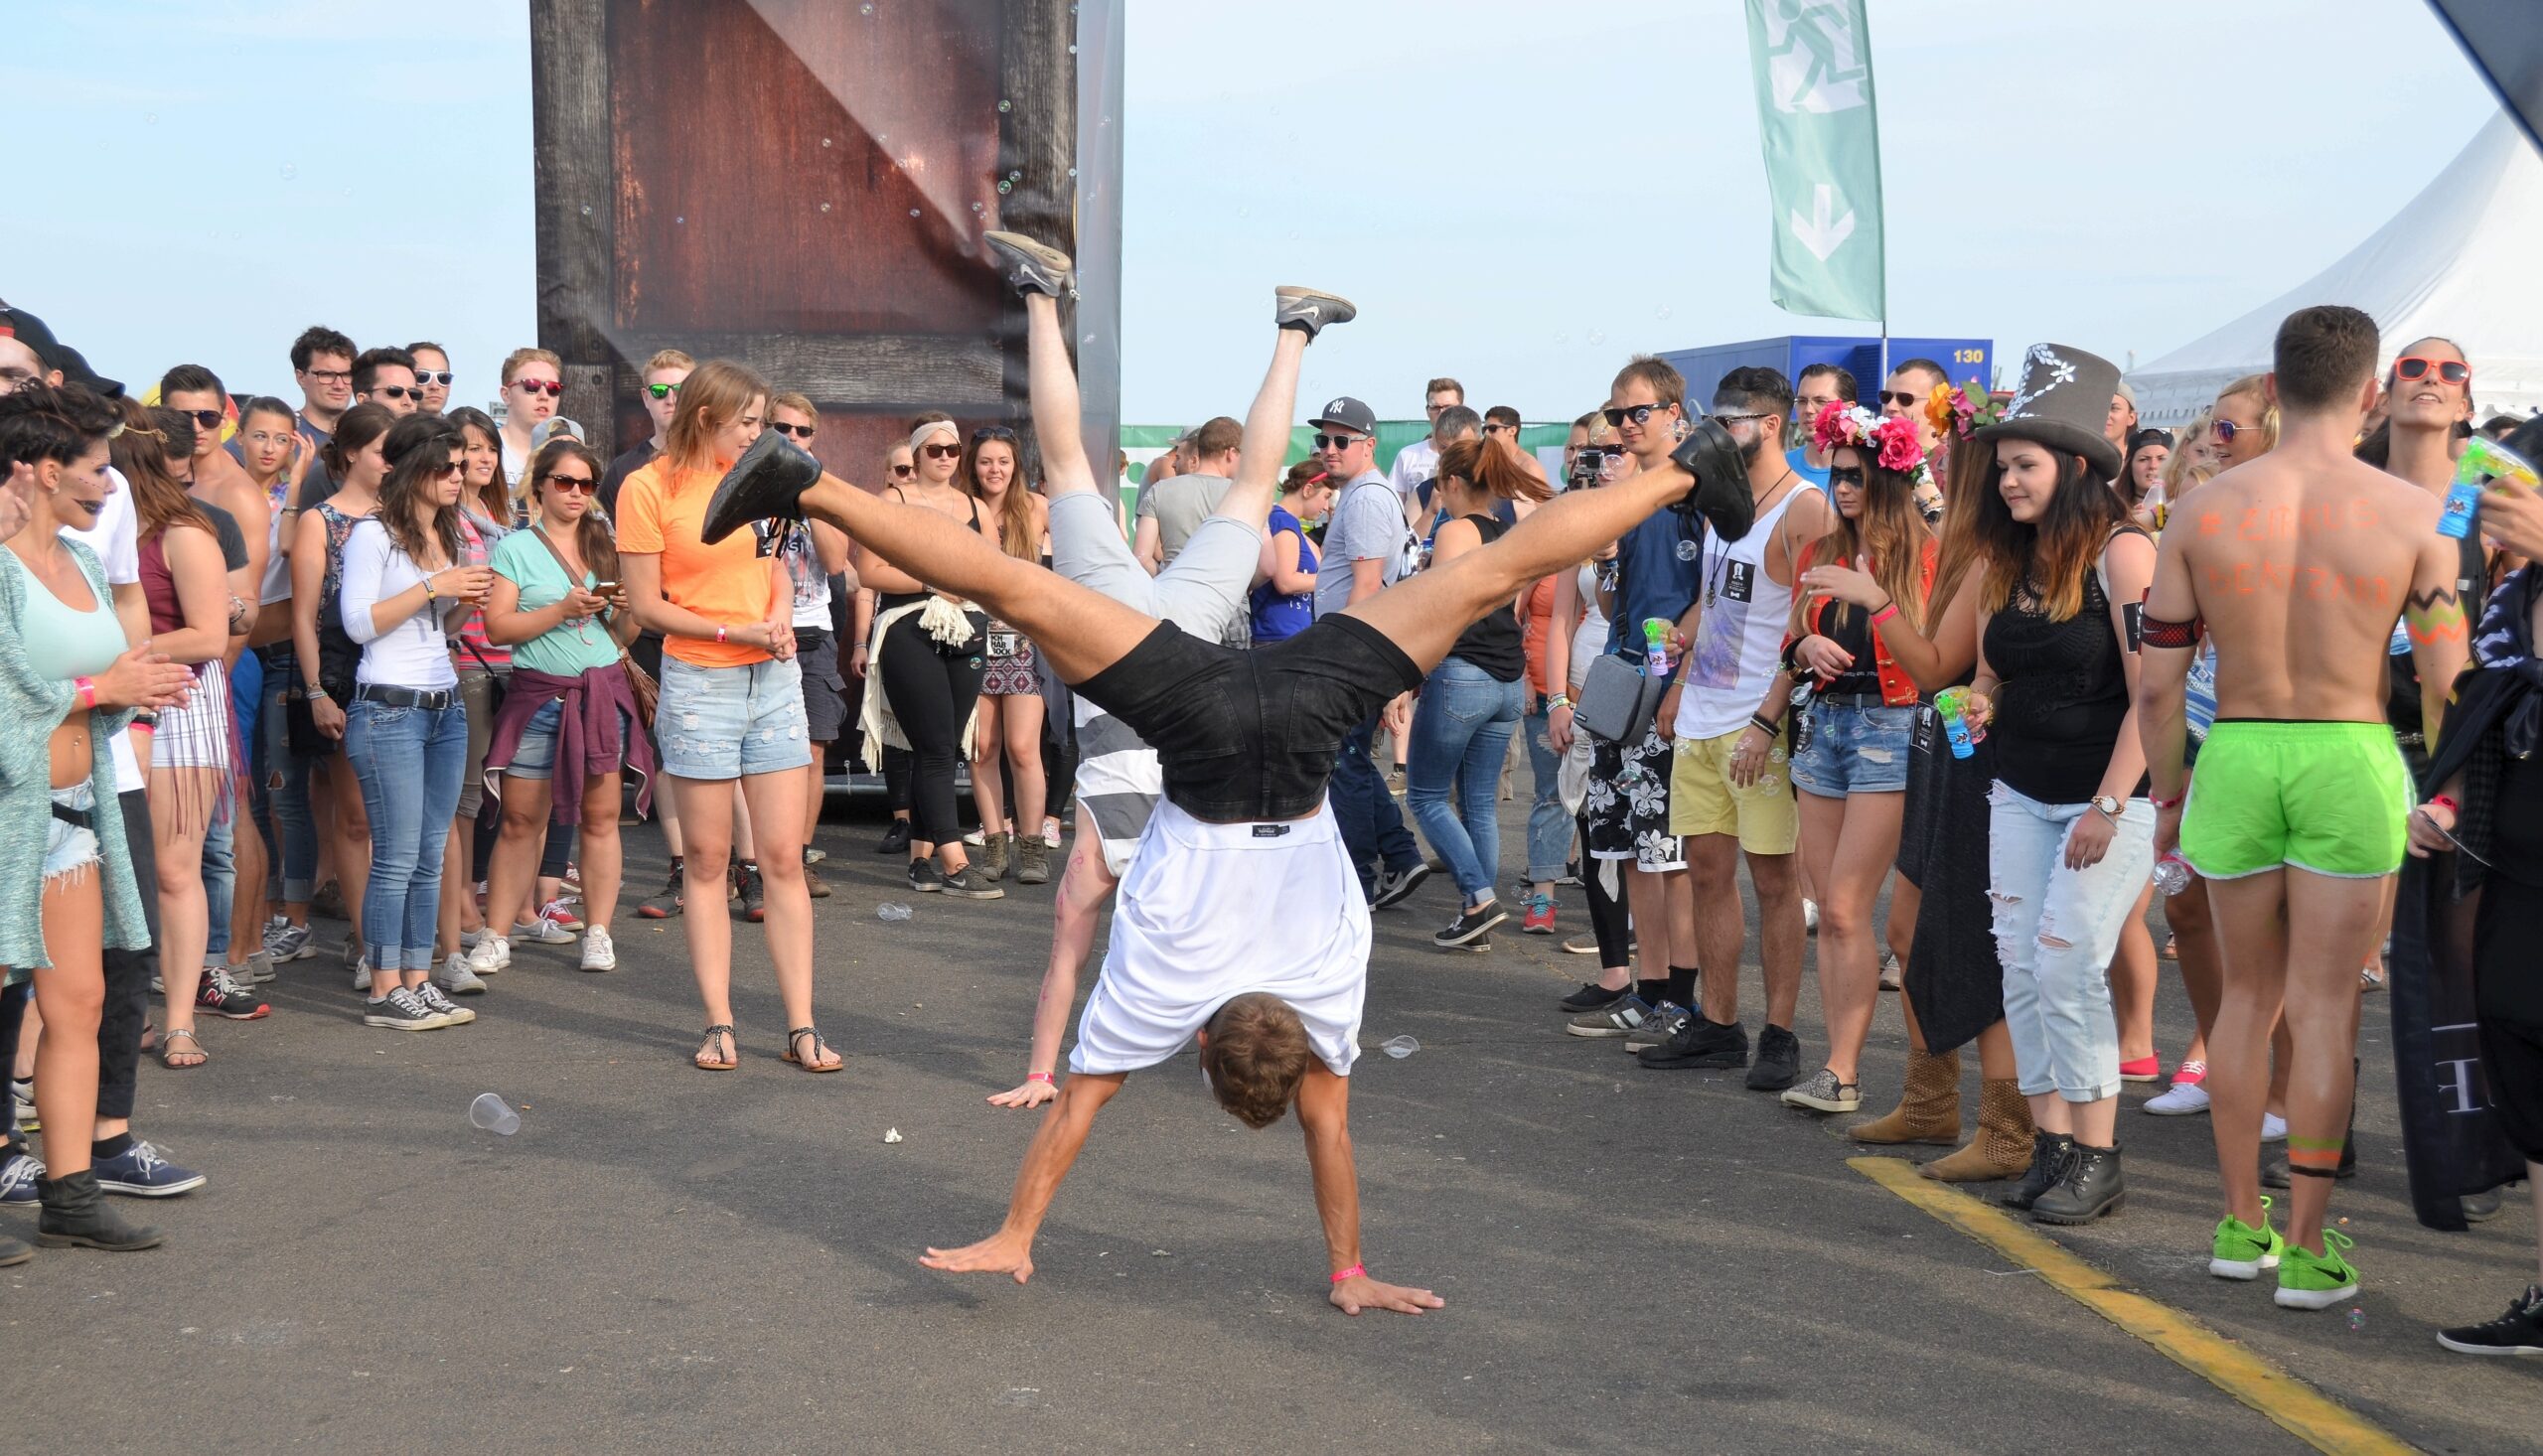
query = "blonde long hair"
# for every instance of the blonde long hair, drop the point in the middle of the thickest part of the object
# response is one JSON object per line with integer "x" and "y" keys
{"x": 719, "y": 392}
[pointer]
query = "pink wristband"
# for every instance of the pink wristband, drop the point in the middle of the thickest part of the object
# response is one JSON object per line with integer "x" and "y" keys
{"x": 87, "y": 689}
{"x": 1037, "y": 1076}
{"x": 1354, "y": 1272}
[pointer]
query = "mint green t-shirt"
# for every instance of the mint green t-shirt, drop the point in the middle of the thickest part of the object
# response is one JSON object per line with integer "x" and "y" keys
{"x": 571, "y": 647}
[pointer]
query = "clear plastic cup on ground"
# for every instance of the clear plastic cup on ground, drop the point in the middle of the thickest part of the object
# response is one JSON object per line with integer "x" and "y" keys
{"x": 491, "y": 1113}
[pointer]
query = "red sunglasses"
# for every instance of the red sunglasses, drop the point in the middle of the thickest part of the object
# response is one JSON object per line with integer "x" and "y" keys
{"x": 549, "y": 388}
{"x": 2451, "y": 370}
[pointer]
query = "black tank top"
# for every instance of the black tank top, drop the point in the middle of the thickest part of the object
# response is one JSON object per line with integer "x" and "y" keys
{"x": 2062, "y": 698}
{"x": 1494, "y": 644}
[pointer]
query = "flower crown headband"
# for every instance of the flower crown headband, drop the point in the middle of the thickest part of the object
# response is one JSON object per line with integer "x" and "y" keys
{"x": 1954, "y": 409}
{"x": 1891, "y": 442}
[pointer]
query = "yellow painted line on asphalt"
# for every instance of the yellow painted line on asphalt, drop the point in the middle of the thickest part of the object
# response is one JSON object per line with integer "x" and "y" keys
{"x": 2236, "y": 1369}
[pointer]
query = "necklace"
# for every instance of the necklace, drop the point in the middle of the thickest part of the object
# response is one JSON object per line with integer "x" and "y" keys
{"x": 1722, "y": 559}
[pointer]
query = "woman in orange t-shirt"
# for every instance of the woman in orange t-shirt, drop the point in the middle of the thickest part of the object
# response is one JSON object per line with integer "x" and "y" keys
{"x": 732, "y": 699}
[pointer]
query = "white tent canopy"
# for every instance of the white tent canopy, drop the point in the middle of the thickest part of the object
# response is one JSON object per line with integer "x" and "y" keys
{"x": 2459, "y": 261}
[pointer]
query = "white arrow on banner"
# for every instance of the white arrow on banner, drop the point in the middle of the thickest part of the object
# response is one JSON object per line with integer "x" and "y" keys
{"x": 1823, "y": 234}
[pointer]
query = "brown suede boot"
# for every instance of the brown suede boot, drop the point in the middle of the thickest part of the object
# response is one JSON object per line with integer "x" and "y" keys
{"x": 2001, "y": 1147}
{"x": 1032, "y": 860}
{"x": 1929, "y": 1108}
{"x": 992, "y": 859}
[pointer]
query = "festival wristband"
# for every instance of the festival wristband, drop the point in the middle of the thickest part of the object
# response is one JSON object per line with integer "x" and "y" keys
{"x": 1559, "y": 700}
{"x": 2448, "y": 799}
{"x": 316, "y": 691}
{"x": 87, "y": 688}
{"x": 1885, "y": 614}
{"x": 1758, "y": 722}
{"x": 429, "y": 594}
{"x": 1356, "y": 1271}
{"x": 720, "y": 634}
{"x": 2162, "y": 804}
{"x": 1040, "y": 1076}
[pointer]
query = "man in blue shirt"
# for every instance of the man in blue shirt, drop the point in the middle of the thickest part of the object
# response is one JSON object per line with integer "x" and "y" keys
{"x": 1820, "y": 385}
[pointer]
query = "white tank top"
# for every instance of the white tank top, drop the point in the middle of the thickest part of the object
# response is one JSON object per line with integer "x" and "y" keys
{"x": 1589, "y": 638}
{"x": 1739, "y": 638}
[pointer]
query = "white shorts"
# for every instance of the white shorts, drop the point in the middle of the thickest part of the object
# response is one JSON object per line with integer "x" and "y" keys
{"x": 197, "y": 736}
{"x": 1211, "y": 912}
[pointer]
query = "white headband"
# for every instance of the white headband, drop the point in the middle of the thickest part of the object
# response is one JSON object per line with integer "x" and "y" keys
{"x": 918, "y": 436}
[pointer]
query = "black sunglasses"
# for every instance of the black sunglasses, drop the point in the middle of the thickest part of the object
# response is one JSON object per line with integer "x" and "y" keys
{"x": 400, "y": 391}
{"x": 941, "y": 452}
{"x": 205, "y": 419}
{"x": 1903, "y": 398}
{"x": 1640, "y": 414}
{"x": 905, "y": 470}
{"x": 434, "y": 376}
{"x": 799, "y": 432}
{"x": 1337, "y": 442}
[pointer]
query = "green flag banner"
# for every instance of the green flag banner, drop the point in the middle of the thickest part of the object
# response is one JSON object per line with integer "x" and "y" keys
{"x": 1815, "y": 117}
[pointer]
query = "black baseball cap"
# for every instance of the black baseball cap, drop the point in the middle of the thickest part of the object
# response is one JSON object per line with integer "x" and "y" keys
{"x": 53, "y": 352}
{"x": 1350, "y": 414}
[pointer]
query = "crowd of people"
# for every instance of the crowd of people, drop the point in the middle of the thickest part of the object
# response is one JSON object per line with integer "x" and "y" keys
{"x": 1954, "y": 649}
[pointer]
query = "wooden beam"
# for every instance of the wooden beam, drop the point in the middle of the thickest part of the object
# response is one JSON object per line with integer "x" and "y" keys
{"x": 961, "y": 373}
{"x": 1037, "y": 147}
{"x": 575, "y": 203}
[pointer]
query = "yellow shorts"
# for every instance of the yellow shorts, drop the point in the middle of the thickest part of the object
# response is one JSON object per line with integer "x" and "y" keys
{"x": 1703, "y": 800}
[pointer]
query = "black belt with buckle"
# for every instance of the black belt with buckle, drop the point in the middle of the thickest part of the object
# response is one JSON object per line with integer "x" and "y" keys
{"x": 435, "y": 698}
{"x": 1849, "y": 700}
{"x": 76, "y": 819}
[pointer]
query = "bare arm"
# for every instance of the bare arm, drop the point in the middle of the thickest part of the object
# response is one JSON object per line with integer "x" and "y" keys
{"x": 1324, "y": 1114}
{"x": 2440, "y": 636}
{"x": 203, "y": 597}
{"x": 2162, "y": 685}
{"x": 1146, "y": 546}
{"x": 1453, "y": 541}
{"x": 2130, "y": 562}
{"x": 830, "y": 547}
{"x": 1056, "y": 1144}
{"x": 1368, "y": 578}
{"x": 642, "y": 573}
{"x": 1286, "y": 576}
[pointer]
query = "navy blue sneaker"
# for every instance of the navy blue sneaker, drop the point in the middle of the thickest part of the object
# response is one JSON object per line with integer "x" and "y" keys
{"x": 18, "y": 1174}
{"x": 141, "y": 1172}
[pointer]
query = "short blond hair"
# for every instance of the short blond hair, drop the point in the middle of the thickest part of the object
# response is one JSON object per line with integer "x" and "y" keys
{"x": 796, "y": 402}
{"x": 518, "y": 356}
{"x": 668, "y": 358}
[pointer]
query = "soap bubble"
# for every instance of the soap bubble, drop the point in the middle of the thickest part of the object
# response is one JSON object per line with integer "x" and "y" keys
{"x": 587, "y": 209}
{"x": 865, "y": 9}
{"x": 1597, "y": 335}
{"x": 679, "y": 221}
{"x": 291, "y": 170}
{"x": 1004, "y": 186}
{"x": 913, "y": 212}
{"x": 1006, "y": 106}
{"x": 1663, "y": 312}
{"x": 826, "y": 141}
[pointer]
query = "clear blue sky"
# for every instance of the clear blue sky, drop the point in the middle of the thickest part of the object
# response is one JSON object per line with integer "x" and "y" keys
{"x": 1517, "y": 193}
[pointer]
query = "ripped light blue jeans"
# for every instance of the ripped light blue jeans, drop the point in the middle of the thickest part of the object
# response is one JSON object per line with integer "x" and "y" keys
{"x": 2055, "y": 932}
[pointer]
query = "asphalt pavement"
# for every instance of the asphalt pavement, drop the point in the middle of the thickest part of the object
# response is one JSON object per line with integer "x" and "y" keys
{"x": 671, "y": 1260}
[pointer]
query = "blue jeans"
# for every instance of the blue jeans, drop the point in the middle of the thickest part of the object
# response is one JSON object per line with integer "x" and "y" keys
{"x": 1549, "y": 827}
{"x": 409, "y": 760}
{"x": 1364, "y": 810}
{"x": 282, "y": 779}
{"x": 1460, "y": 735}
{"x": 2056, "y": 929}
{"x": 219, "y": 882}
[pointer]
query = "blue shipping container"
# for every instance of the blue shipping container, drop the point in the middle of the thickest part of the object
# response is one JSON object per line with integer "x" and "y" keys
{"x": 1966, "y": 359}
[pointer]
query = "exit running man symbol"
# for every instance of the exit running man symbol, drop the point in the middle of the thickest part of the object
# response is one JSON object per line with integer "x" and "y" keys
{"x": 1816, "y": 57}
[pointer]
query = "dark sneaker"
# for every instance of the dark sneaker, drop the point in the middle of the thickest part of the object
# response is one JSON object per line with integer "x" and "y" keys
{"x": 666, "y": 903}
{"x": 2517, "y": 1332}
{"x": 140, "y": 1172}
{"x": 1663, "y": 1023}
{"x": 1823, "y": 1093}
{"x": 1397, "y": 886}
{"x": 19, "y": 1174}
{"x": 439, "y": 1003}
{"x": 400, "y": 1010}
{"x": 2481, "y": 1208}
{"x": 1307, "y": 309}
{"x": 287, "y": 942}
{"x": 1594, "y": 997}
{"x": 752, "y": 891}
{"x": 925, "y": 877}
{"x": 968, "y": 883}
{"x": 1030, "y": 266}
{"x": 1471, "y": 926}
{"x": 1540, "y": 917}
{"x": 1778, "y": 1063}
{"x": 1614, "y": 1019}
{"x": 1699, "y": 1044}
{"x": 218, "y": 995}
{"x": 895, "y": 840}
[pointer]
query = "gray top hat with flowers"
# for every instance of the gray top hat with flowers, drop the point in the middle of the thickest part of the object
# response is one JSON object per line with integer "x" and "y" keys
{"x": 2062, "y": 401}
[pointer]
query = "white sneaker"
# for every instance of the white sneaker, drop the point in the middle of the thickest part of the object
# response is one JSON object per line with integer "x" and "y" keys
{"x": 361, "y": 974}
{"x": 2273, "y": 1127}
{"x": 457, "y": 978}
{"x": 1810, "y": 916}
{"x": 599, "y": 953}
{"x": 2184, "y": 1100}
{"x": 543, "y": 932}
{"x": 468, "y": 938}
{"x": 491, "y": 954}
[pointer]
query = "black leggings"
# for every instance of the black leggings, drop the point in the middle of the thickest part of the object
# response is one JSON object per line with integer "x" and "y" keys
{"x": 128, "y": 972}
{"x": 1609, "y": 920}
{"x": 932, "y": 688}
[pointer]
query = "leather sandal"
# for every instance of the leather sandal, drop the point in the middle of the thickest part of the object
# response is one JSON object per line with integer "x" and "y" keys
{"x": 707, "y": 1048}
{"x": 820, "y": 1048}
{"x": 168, "y": 1051}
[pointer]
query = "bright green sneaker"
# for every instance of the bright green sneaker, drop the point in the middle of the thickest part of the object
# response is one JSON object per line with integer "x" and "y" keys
{"x": 2242, "y": 1251}
{"x": 2316, "y": 1280}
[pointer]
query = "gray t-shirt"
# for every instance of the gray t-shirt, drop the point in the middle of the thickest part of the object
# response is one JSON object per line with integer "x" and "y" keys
{"x": 1180, "y": 503}
{"x": 1368, "y": 523}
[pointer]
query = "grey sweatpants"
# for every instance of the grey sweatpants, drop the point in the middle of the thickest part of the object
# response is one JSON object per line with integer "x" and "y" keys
{"x": 1202, "y": 590}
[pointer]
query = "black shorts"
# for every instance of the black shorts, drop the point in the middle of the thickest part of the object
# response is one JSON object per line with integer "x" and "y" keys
{"x": 824, "y": 690}
{"x": 1251, "y": 735}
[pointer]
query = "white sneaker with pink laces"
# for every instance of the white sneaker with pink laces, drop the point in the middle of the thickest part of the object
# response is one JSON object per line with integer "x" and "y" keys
{"x": 2187, "y": 1096}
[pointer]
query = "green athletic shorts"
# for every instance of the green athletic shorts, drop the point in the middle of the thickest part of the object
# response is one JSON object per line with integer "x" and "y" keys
{"x": 2330, "y": 797}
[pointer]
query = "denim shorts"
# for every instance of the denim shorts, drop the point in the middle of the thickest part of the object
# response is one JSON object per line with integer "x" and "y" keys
{"x": 535, "y": 755}
{"x": 1854, "y": 751}
{"x": 729, "y": 722}
{"x": 67, "y": 846}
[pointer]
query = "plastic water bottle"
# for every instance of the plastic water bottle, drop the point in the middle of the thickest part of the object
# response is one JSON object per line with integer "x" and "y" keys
{"x": 2480, "y": 458}
{"x": 491, "y": 1113}
{"x": 891, "y": 910}
{"x": 1655, "y": 645}
{"x": 2172, "y": 874}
